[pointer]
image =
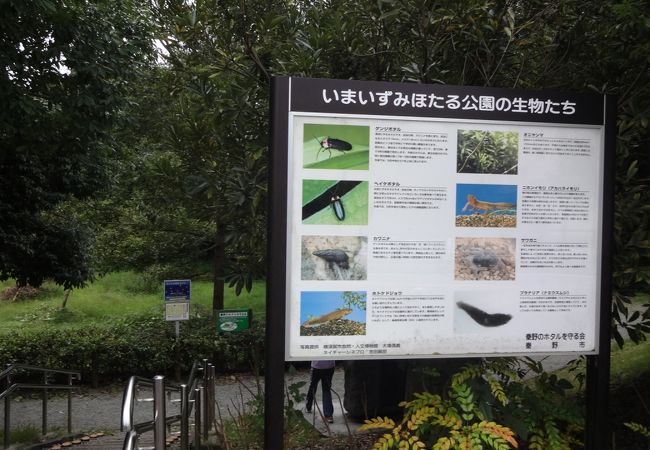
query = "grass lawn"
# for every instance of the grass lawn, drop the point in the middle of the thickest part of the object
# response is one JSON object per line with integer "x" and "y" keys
{"x": 114, "y": 295}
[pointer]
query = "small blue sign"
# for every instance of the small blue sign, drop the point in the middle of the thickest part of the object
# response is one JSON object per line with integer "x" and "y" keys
{"x": 177, "y": 290}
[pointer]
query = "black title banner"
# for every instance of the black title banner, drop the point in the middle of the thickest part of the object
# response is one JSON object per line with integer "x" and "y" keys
{"x": 444, "y": 101}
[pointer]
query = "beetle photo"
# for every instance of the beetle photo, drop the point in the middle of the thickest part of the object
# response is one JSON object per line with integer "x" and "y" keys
{"x": 330, "y": 144}
{"x": 335, "y": 146}
{"x": 337, "y": 206}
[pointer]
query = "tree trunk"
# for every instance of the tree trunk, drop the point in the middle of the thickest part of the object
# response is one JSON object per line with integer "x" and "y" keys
{"x": 66, "y": 294}
{"x": 218, "y": 260}
{"x": 374, "y": 388}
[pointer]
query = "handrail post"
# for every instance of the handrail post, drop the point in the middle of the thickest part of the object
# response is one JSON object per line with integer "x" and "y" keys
{"x": 7, "y": 378}
{"x": 69, "y": 404}
{"x": 212, "y": 395}
{"x": 197, "y": 417}
{"x": 185, "y": 419}
{"x": 44, "y": 421}
{"x": 159, "y": 412}
{"x": 208, "y": 401}
{"x": 7, "y": 437}
{"x": 204, "y": 415}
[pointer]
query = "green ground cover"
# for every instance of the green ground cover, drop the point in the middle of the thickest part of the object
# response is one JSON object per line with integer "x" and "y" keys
{"x": 115, "y": 295}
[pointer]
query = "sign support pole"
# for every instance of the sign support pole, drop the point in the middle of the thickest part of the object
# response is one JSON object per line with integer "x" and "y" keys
{"x": 597, "y": 429}
{"x": 176, "y": 295}
{"x": 177, "y": 369}
{"x": 276, "y": 282}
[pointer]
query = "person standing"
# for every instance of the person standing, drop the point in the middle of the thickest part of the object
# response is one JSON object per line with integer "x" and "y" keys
{"x": 322, "y": 371}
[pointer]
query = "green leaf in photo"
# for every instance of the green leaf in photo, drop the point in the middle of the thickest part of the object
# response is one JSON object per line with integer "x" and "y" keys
{"x": 349, "y": 161}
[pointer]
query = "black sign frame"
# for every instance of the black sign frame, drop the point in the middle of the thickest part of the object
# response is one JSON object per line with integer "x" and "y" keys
{"x": 317, "y": 95}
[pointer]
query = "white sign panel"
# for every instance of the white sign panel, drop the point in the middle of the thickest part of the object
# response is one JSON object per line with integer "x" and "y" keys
{"x": 177, "y": 311}
{"x": 421, "y": 236}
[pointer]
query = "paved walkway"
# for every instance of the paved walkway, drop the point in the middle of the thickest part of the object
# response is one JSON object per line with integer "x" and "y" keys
{"x": 100, "y": 409}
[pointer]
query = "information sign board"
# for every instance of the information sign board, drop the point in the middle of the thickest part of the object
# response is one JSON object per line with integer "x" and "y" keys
{"x": 177, "y": 311}
{"x": 177, "y": 290}
{"x": 177, "y": 294}
{"x": 429, "y": 220}
{"x": 232, "y": 320}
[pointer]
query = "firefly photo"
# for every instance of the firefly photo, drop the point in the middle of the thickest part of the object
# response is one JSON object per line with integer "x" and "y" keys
{"x": 332, "y": 313}
{"x": 328, "y": 146}
{"x": 332, "y": 202}
{"x": 486, "y": 205}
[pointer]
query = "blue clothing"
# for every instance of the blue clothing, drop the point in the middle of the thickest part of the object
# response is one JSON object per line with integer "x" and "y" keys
{"x": 323, "y": 364}
{"x": 325, "y": 375}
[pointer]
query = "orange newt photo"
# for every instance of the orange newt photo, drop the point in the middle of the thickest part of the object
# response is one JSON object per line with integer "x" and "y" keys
{"x": 476, "y": 204}
{"x": 474, "y": 210}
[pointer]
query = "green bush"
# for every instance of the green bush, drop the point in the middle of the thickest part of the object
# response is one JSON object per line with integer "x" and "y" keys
{"x": 143, "y": 345}
{"x": 487, "y": 405}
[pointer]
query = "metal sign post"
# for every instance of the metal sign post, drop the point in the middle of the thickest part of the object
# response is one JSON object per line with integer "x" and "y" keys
{"x": 176, "y": 295}
{"x": 276, "y": 261}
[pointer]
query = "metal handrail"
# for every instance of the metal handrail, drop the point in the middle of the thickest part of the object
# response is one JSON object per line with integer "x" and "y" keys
{"x": 192, "y": 382}
{"x": 11, "y": 387}
{"x": 15, "y": 367}
{"x": 128, "y": 399}
{"x": 189, "y": 396}
{"x": 14, "y": 387}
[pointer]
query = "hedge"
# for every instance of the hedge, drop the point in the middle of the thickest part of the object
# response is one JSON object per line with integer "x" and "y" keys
{"x": 142, "y": 346}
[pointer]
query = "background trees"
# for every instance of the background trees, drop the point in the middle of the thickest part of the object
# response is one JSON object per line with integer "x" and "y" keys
{"x": 64, "y": 66}
{"x": 187, "y": 187}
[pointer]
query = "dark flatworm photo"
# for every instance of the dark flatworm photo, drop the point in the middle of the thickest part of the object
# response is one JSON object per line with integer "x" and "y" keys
{"x": 483, "y": 318}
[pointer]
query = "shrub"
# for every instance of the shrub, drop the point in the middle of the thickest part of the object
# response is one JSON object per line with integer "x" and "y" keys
{"x": 143, "y": 345}
{"x": 486, "y": 406}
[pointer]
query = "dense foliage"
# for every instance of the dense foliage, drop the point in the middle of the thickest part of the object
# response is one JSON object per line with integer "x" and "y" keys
{"x": 143, "y": 345}
{"x": 189, "y": 182}
{"x": 205, "y": 109}
{"x": 487, "y": 152}
{"x": 63, "y": 69}
{"x": 487, "y": 406}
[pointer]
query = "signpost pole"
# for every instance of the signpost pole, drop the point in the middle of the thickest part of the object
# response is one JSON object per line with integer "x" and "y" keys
{"x": 275, "y": 297}
{"x": 177, "y": 369}
{"x": 176, "y": 296}
{"x": 597, "y": 430}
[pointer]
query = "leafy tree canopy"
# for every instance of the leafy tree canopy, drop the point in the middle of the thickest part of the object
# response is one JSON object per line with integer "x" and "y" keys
{"x": 63, "y": 67}
{"x": 193, "y": 161}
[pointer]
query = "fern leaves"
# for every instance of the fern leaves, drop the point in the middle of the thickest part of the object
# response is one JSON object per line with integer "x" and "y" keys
{"x": 377, "y": 422}
{"x": 477, "y": 409}
{"x": 454, "y": 423}
{"x": 637, "y": 427}
{"x": 497, "y": 436}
